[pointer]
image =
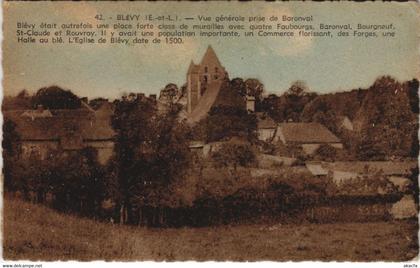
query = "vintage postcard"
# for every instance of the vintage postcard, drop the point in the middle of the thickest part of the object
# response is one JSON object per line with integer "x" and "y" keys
{"x": 210, "y": 131}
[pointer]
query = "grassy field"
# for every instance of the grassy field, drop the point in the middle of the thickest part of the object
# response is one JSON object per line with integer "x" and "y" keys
{"x": 37, "y": 233}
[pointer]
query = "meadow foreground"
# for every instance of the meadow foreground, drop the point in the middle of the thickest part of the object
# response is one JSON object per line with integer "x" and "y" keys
{"x": 37, "y": 233}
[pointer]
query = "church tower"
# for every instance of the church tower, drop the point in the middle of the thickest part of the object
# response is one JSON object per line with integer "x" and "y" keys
{"x": 202, "y": 77}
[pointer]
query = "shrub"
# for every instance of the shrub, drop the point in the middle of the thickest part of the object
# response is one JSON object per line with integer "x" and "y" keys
{"x": 325, "y": 152}
{"x": 234, "y": 155}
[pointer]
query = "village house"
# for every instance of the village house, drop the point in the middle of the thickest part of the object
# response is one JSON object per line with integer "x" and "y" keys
{"x": 308, "y": 136}
{"x": 266, "y": 127}
{"x": 66, "y": 130}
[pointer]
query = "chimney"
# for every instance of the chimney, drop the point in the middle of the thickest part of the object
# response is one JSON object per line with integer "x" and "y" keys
{"x": 250, "y": 104}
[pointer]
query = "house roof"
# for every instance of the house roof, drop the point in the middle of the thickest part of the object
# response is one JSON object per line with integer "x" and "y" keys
{"x": 265, "y": 121}
{"x": 307, "y": 133}
{"x": 316, "y": 169}
{"x": 196, "y": 144}
{"x": 61, "y": 124}
{"x": 210, "y": 56}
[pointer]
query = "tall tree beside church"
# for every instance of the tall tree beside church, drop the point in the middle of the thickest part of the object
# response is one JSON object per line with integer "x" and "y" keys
{"x": 150, "y": 152}
{"x": 170, "y": 93}
{"x": 131, "y": 121}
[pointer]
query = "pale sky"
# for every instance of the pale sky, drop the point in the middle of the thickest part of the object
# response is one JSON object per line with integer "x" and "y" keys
{"x": 326, "y": 65}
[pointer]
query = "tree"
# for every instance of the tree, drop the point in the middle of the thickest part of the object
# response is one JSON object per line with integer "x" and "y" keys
{"x": 11, "y": 139}
{"x": 228, "y": 121}
{"x": 238, "y": 85}
{"x": 326, "y": 152}
{"x": 386, "y": 119}
{"x": 132, "y": 122}
{"x": 289, "y": 106}
{"x": 170, "y": 94}
{"x": 298, "y": 89}
{"x": 295, "y": 100}
{"x": 76, "y": 181}
{"x": 54, "y": 97}
{"x": 150, "y": 152}
{"x": 413, "y": 94}
{"x": 414, "y": 186}
{"x": 234, "y": 154}
{"x": 368, "y": 149}
{"x": 327, "y": 119}
{"x": 273, "y": 105}
{"x": 11, "y": 147}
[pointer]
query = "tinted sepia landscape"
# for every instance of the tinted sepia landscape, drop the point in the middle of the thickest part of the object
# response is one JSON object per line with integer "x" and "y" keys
{"x": 214, "y": 169}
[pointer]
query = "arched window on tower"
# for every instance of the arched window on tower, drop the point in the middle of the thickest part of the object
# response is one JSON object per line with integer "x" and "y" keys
{"x": 216, "y": 69}
{"x": 206, "y": 69}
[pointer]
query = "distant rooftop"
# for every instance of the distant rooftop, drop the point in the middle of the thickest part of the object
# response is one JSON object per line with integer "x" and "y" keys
{"x": 307, "y": 133}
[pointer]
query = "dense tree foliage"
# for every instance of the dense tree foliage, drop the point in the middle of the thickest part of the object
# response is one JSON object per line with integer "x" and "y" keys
{"x": 413, "y": 94}
{"x": 170, "y": 94}
{"x": 72, "y": 181}
{"x": 289, "y": 106}
{"x": 151, "y": 177}
{"x": 54, "y": 97}
{"x": 150, "y": 153}
{"x": 22, "y": 101}
{"x": 10, "y": 142}
{"x": 234, "y": 155}
{"x": 227, "y": 121}
{"x": 385, "y": 119}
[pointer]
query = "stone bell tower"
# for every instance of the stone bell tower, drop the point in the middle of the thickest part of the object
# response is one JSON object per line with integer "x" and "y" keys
{"x": 202, "y": 77}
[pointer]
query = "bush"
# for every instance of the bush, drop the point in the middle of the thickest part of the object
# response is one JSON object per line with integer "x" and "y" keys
{"x": 326, "y": 152}
{"x": 225, "y": 122}
{"x": 234, "y": 154}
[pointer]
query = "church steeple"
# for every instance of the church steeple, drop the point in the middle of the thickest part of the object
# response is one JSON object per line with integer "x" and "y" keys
{"x": 192, "y": 68}
{"x": 210, "y": 58}
{"x": 204, "y": 78}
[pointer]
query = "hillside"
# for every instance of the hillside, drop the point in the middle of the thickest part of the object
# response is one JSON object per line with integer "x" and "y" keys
{"x": 38, "y": 233}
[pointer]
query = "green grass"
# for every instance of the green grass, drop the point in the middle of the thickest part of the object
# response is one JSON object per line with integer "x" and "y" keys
{"x": 37, "y": 233}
